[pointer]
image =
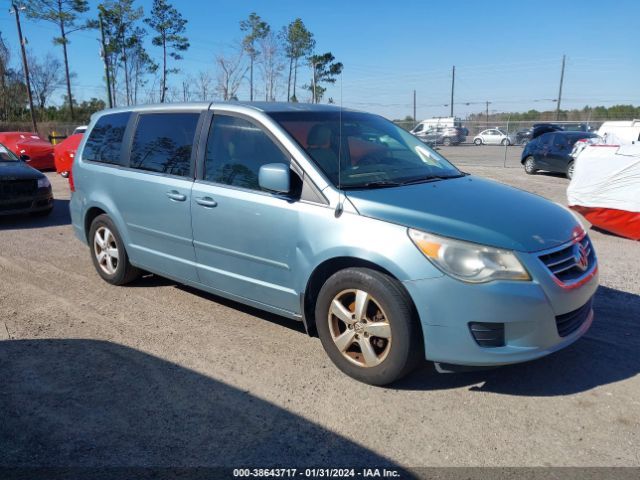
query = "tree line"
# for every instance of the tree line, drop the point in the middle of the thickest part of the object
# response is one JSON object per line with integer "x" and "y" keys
{"x": 598, "y": 113}
{"x": 269, "y": 61}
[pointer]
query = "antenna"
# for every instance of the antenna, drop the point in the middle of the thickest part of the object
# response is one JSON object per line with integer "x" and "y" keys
{"x": 340, "y": 206}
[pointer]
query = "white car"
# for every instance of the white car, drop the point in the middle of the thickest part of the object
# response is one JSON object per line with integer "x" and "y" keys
{"x": 493, "y": 136}
{"x": 80, "y": 129}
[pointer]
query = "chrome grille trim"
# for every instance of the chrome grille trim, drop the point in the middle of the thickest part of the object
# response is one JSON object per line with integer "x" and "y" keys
{"x": 570, "y": 264}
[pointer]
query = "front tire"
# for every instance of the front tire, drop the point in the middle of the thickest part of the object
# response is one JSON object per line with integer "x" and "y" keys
{"x": 505, "y": 141}
{"x": 570, "y": 169}
{"x": 478, "y": 141}
{"x": 108, "y": 254}
{"x": 368, "y": 327}
{"x": 530, "y": 165}
{"x": 446, "y": 142}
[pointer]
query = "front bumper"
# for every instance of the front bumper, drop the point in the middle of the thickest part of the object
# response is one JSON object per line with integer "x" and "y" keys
{"x": 33, "y": 204}
{"x": 528, "y": 311}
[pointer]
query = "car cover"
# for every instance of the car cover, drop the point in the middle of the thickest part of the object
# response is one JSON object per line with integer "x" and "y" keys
{"x": 40, "y": 151}
{"x": 65, "y": 151}
{"x": 605, "y": 188}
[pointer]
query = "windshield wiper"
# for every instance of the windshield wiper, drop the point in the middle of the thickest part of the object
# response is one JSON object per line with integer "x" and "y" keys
{"x": 374, "y": 184}
{"x": 431, "y": 178}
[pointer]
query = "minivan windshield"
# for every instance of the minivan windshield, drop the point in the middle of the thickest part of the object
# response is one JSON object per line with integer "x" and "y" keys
{"x": 361, "y": 150}
{"x": 7, "y": 155}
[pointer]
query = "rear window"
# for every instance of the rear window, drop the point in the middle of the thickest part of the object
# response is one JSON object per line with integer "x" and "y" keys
{"x": 105, "y": 140}
{"x": 163, "y": 142}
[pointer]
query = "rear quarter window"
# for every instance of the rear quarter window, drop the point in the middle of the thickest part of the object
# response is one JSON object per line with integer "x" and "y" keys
{"x": 105, "y": 139}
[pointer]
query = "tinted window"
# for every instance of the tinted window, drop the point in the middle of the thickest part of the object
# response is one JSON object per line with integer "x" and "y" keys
{"x": 236, "y": 149}
{"x": 105, "y": 140}
{"x": 546, "y": 138}
{"x": 162, "y": 143}
{"x": 561, "y": 140}
{"x": 7, "y": 155}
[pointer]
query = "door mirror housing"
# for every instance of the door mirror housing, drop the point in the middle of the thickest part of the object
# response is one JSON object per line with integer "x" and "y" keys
{"x": 24, "y": 157}
{"x": 275, "y": 177}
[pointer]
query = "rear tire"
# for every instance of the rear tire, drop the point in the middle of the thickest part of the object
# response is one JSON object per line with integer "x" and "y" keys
{"x": 530, "y": 165}
{"x": 108, "y": 254}
{"x": 368, "y": 327}
{"x": 446, "y": 141}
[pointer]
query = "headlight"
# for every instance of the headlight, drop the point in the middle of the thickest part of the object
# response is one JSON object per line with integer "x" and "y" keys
{"x": 469, "y": 262}
{"x": 43, "y": 182}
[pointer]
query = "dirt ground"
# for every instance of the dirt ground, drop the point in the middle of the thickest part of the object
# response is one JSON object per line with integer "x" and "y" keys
{"x": 158, "y": 374}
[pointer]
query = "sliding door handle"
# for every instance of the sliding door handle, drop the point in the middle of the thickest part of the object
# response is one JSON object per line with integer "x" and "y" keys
{"x": 206, "y": 202}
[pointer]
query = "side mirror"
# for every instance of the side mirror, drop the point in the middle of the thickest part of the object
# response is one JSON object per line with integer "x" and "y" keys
{"x": 24, "y": 157}
{"x": 275, "y": 177}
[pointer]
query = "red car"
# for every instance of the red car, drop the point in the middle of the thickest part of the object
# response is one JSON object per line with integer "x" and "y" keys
{"x": 65, "y": 151}
{"x": 39, "y": 151}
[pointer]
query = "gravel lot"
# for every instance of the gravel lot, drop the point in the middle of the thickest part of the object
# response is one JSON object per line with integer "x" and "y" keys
{"x": 157, "y": 374}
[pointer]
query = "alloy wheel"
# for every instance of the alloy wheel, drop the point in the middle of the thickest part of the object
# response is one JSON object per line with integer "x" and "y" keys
{"x": 359, "y": 327}
{"x": 106, "y": 251}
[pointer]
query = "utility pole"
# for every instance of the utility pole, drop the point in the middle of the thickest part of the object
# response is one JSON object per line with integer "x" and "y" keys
{"x": 414, "y": 109}
{"x": 487, "y": 102}
{"x": 106, "y": 61}
{"x": 25, "y": 66}
{"x": 453, "y": 84}
{"x": 560, "y": 91}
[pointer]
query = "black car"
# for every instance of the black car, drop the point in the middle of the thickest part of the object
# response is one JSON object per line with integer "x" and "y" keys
{"x": 551, "y": 152}
{"x": 523, "y": 136}
{"x": 22, "y": 189}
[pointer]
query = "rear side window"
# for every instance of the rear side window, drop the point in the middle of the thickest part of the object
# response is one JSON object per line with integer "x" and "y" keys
{"x": 163, "y": 142}
{"x": 105, "y": 140}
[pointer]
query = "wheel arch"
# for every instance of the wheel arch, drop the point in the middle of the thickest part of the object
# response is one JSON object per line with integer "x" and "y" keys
{"x": 322, "y": 273}
{"x": 89, "y": 216}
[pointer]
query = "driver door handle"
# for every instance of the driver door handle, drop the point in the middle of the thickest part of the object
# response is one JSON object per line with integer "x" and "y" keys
{"x": 177, "y": 196}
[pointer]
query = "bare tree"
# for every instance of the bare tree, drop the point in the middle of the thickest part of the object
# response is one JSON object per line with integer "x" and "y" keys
{"x": 187, "y": 83}
{"x": 231, "y": 72}
{"x": 46, "y": 77}
{"x": 271, "y": 64}
{"x": 203, "y": 84}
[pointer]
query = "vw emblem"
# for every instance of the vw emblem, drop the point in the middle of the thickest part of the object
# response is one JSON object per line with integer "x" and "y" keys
{"x": 580, "y": 256}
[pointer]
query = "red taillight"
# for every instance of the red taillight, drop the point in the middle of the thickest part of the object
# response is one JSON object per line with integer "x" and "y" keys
{"x": 72, "y": 186}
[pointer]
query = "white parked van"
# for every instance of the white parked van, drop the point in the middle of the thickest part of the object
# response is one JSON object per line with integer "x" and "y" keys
{"x": 621, "y": 132}
{"x": 437, "y": 122}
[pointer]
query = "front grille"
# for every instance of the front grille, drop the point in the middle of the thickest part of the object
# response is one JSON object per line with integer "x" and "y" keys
{"x": 570, "y": 263}
{"x": 487, "y": 334}
{"x": 568, "y": 323}
{"x": 11, "y": 189}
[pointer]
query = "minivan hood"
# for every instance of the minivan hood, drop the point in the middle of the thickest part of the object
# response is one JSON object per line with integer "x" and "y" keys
{"x": 473, "y": 209}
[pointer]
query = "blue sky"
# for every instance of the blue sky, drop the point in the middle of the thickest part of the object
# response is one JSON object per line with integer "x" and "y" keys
{"x": 508, "y": 53}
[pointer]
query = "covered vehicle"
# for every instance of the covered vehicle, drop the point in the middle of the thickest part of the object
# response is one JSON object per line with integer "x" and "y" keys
{"x": 38, "y": 151}
{"x": 22, "y": 189}
{"x": 605, "y": 188}
{"x": 65, "y": 151}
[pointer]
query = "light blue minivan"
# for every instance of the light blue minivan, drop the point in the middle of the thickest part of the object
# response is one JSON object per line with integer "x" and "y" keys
{"x": 339, "y": 219}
